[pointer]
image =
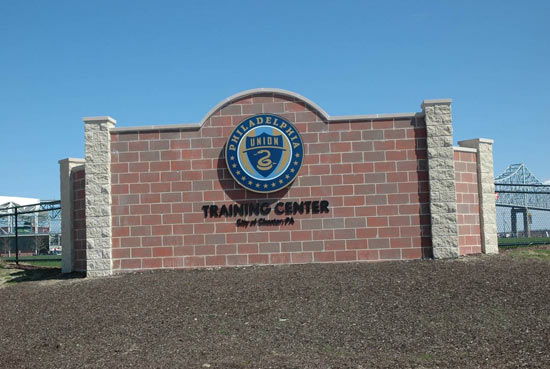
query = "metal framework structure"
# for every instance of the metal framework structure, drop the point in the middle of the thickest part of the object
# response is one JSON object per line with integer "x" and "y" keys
{"x": 31, "y": 220}
{"x": 522, "y": 192}
{"x": 517, "y": 187}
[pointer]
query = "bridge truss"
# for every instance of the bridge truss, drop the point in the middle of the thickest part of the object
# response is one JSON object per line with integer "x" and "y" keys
{"x": 520, "y": 193}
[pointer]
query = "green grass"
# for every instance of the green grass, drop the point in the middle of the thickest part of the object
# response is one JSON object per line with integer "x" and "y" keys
{"x": 51, "y": 261}
{"x": 539, "y": 254}
{"x": 523, "y": 241}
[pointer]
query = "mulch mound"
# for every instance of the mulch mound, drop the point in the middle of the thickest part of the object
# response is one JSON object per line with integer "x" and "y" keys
{"x": 487, "y": 311}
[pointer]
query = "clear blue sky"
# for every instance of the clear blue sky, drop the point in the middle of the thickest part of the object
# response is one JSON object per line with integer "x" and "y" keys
{"x": 161, "y": 62}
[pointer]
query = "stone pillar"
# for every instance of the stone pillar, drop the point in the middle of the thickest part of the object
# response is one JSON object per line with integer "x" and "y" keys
{"x": 67, "y": 197}
{"x": 98, "y": 196}
{"x": 443, "y": 210}
{"x": 486, "y": 189}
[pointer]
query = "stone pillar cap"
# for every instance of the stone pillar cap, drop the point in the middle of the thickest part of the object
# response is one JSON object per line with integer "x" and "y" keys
{"x": 71, "y": 160}
{"x": 480, "y": 140}
{"x": 436, "y": 102}
{"x": 99, "y": 119}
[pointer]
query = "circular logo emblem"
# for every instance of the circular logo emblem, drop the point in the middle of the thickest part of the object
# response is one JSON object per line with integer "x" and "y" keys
{"x": 264, "y": 153}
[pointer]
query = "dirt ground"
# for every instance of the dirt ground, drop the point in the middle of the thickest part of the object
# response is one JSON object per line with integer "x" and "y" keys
{"x": 484, "y": 311}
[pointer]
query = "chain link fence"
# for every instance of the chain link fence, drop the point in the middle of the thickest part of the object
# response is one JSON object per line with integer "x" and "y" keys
{"x": 30, "y": 230}
{"x": 523, "y": 214}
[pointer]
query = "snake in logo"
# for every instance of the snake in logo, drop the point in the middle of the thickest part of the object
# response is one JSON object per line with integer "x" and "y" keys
{"x": 264, "y": 153}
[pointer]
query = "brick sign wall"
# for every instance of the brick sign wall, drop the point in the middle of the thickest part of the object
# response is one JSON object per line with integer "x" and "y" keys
{"x": 371, "y": 188}
{"x": 373, "y": 173}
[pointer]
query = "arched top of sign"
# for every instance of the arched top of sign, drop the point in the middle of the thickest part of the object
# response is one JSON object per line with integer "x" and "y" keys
{"x": 276, "y": 92}
{"x": 258, "y": 91}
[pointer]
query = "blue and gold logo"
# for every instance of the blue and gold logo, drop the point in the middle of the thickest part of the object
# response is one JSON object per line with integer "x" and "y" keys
{"x": 264, "y": 153}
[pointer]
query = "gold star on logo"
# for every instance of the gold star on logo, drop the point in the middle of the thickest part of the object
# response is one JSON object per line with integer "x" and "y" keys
{"x": 238, "y": 172}
{"x": 250, "y": 183}
{"x": 273, "y": 184}
{"x": 280, "y": 181}
{"x": 292, "y": 170}
{"x": 232, "y": 158}
{"x": 257, "y": 184}
{"x": 297, "y": 155}
{"x": 295, "y": 163}
{"x": 265, "y": 185}
{"x": 287, "y": 176}
{"x": 243, "y": 178}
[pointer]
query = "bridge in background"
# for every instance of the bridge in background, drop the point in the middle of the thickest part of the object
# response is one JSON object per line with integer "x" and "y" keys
{"x": 524, "y": 194}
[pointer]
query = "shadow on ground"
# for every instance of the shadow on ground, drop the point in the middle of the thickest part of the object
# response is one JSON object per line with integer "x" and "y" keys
{"x": 17, "y": 273}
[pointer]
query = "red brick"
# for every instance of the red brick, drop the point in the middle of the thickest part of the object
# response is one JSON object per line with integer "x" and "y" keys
{"x": 368, "y": 255}
{"x": 193, "y": 261}
{"x": 137, "y": 188}
{"x": 356, "y": 244}
{"x": 121, "y": 231}
{"x": 341, "y": 146}
{"x": 130, "y": 264}
{"x": 280, "y": 258}
{"x": 237, "y": 260}
{"x": 205, "y": 250}
{"x": 141, "y": 252}
{"x": 345, "y": 255}
{"x": 128, "y": 178}
{"x": 149, "y": 156}
{"x": 140, "y": 209}
{"x": 384, "y": 166}
{"x": 377, "y": 221}
{"x": 258, "y": 259}
{"x": 332, "y": 245}
{"x": 304, "y": 235}
{"x": 182, "y": 228}
{"x": 172, "y": 240}
{"x": 140, "y": 230}
{"x": 163, "y": 251}
{"x": 150, "y": 219}
{"x": 161, "y": 229}
{"x": 172, "y": 219}
{"x": 384, "y": 145}
{"x": 326, "y": 256}
{"x": 396, "y": 243}
{"x": 279, "y": 236}
{"x": 150, "y": 135}
{"x": 182, "y": 165}
{"x": 301, "y": 257}
{"x": 121, "y": 253}
{"x": 184, "y": 250}
{"x": 218, "y": 260}
{"x": 148, "y": 198}
{"x": 415, "y": 253}
{"x": 159, "y": 166}
{"x": 247, "y": 248}
{"x": 235, "y": 237}
{"x": 363, "y": 167}
{"x": 130, "y": 220}
{"x": 151, "y": 241}
{"x": 226, "y": 249}
{"x": 390, "y": 254}
{"x": 378, "y": 243}
{"x": 130, "y": 241}
{"x": 172, "y": 262}
{"x": 354, "y": 200}
{"x": 120, "y": 167}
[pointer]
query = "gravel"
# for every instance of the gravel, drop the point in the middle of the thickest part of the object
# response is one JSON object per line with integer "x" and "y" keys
{"x": 482, "y": 311}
